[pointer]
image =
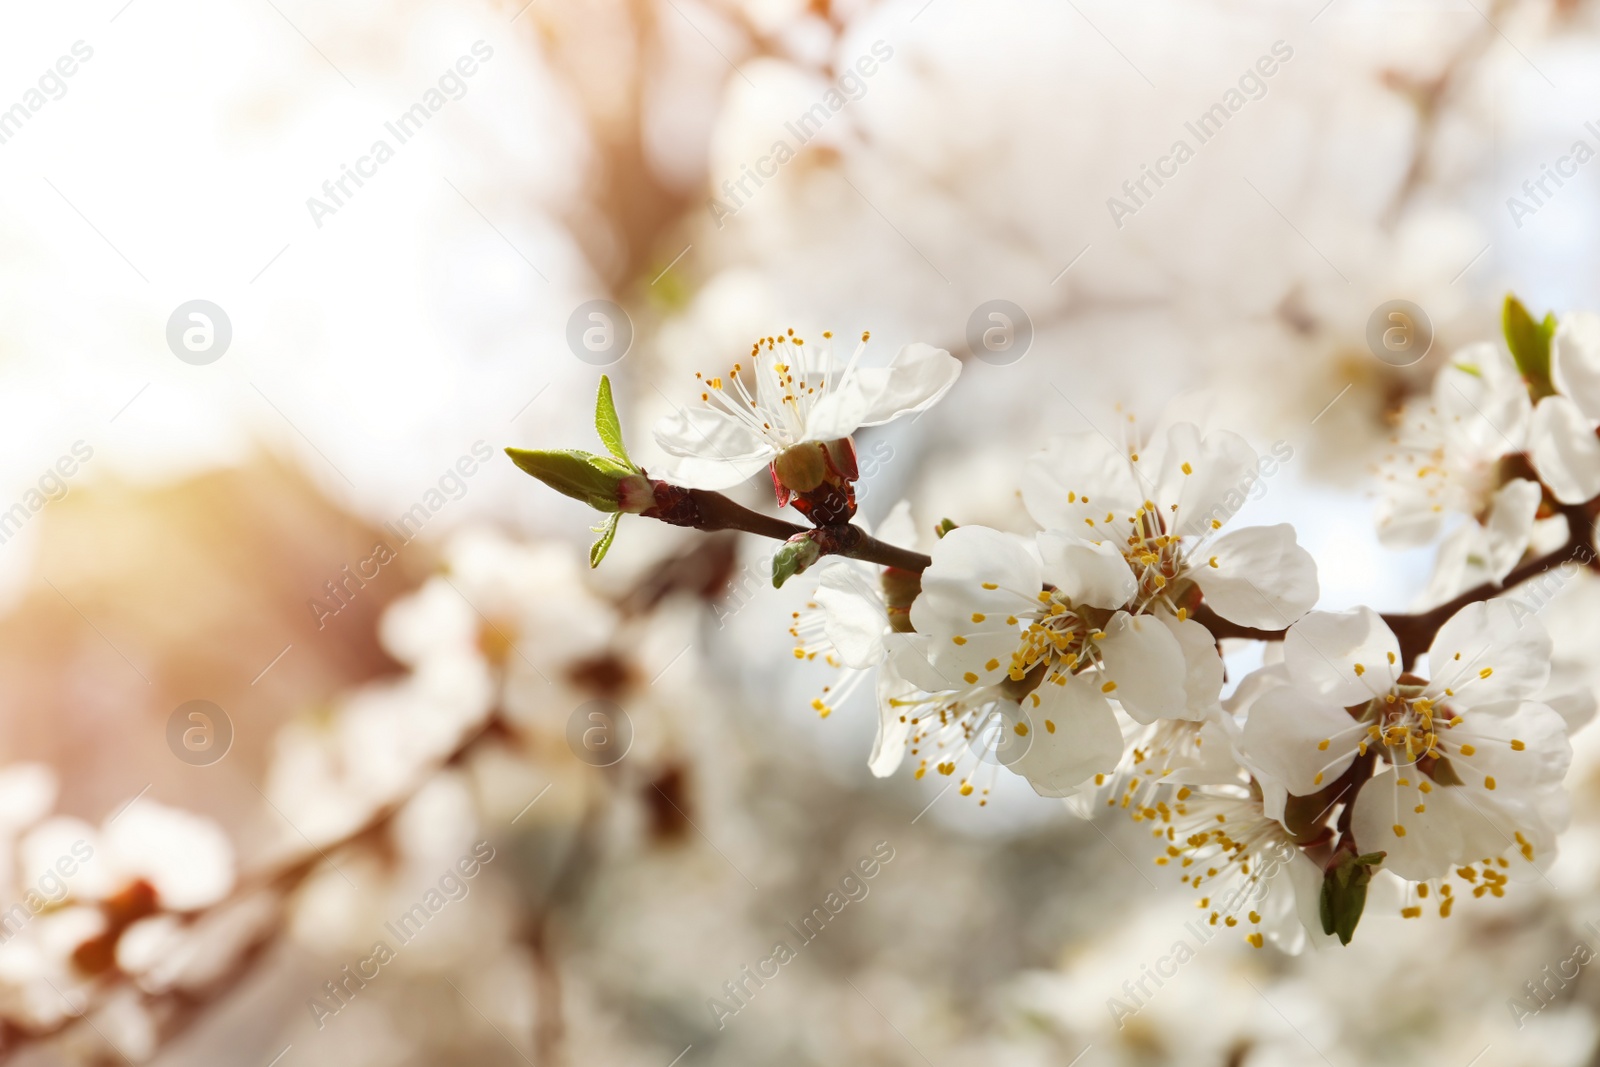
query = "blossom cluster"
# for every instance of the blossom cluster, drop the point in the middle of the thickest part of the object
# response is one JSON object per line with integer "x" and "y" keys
{"x": 1424, "y": 752}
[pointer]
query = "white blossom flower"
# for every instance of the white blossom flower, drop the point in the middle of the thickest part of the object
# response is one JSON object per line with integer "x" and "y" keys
{"x": 1486, "y": 551}
{"x": 1480, "y": 430}
{"x": 1160, "y": 507}
{"x": 802, "y": 396}
{"x": 1242, "y": 862}
{"x": 186, "y": 858}
{"x": 1468, "y": 765}
{"x": 1446, "y": 456}
{"x": 1036, "y": 630}
{"x": 848, "y": 623}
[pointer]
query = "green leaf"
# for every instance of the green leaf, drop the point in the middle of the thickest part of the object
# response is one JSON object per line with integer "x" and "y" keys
{"x": 1529, "y": 342}
{"x": 608, "y": 533}
{"x": 944, "y": 527}
{"x": 1344, "y": 893}
{"x": 595, "y": 480}
{"x": 607, "y": 425}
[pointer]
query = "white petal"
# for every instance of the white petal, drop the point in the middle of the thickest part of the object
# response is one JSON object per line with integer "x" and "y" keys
{"x": 1575, "y": 361}
{"x": 1074, "y": 736}
{"x": 1407, "y": 517}
{"x": 709, "y": 433}
{"x": 1564, "y": 450}
{"x": 1510, "y": 525}
{"x": 976, "y": 658}
{"x": 1542, "y": 758}
{"x": 1305, "y": 876}
{"x": 1576, "y": 707}
{"x": 1261, "y": 577}
{"x": 914, "y": 381}
{"x": 705, "y": 472}
{"x": 187, "y": 858}
{"x": 1077, "y": 481}
{"x": 909, "y": 658}
{"x": 854, "y": 619}
{"x": 1347, "y": 656}
{"x": 1086, "y": 572}
{"x": 27, "y": 794}
{"x": 964, "y": 561}
{"x": 1284, "y": 734}
{"x": 1144, "y": 668}
{"x": 894, "y": 724}
{"x": 1203, "y": 675}
{"x": 1487, "y": 408}
{"x": 1489, "y": 652}
{"x": 1207, "y": 477}
{"x": 898, "y": 527}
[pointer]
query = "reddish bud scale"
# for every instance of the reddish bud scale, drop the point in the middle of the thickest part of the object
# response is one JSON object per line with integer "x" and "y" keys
{"x": 829, "y": 504}
{"x": 674, "y": 505}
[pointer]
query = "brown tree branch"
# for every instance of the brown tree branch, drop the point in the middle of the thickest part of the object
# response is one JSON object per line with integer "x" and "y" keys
{"x": 701, "y": 509}
{"x": 1416, "y": 630}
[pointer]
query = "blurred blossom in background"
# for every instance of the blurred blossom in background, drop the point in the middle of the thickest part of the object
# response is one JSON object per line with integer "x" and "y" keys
{"x": 323, "y": 744}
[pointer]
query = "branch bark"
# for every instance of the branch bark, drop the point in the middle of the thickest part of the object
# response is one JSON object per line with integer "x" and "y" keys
{"x": 701, "y": 509}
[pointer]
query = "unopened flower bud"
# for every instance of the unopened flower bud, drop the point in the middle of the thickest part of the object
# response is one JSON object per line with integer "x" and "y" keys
{"x": 595, "y": 480}
{"x": 797, "y": 553}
